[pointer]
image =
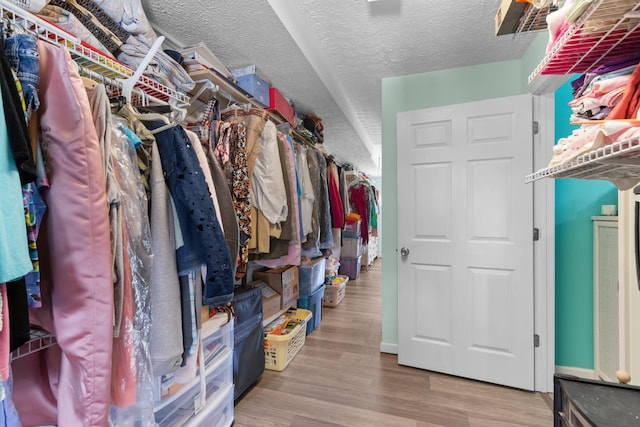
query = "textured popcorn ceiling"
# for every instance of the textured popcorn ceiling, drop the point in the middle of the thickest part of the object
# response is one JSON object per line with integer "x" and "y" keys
{"x": 329, "y": 56}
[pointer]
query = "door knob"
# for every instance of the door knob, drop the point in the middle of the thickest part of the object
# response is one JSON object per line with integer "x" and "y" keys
{"x": 404, "y": 252}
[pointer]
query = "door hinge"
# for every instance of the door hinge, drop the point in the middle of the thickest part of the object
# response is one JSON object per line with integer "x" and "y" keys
{"x": 536, "y": 340}
{"x": 536, "y": 234}
{"x": 536, "y": 128}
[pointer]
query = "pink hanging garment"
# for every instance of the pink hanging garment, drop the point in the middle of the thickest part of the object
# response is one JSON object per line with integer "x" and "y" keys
{"x": 71, "y": 382}
{"x": 123, "y": 372}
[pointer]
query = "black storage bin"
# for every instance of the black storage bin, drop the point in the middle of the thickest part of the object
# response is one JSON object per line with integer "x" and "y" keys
{"x": 248, "y": 337}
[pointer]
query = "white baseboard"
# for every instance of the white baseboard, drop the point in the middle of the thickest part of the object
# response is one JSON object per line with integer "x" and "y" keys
{"x": 388, "y": 348}
{"x": 578, "y": 372}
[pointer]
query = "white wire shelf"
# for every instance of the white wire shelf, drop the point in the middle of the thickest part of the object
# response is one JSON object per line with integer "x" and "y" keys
{"x": 618, "y": 161}
{"x": 608, "y": 29}
{"x": 88, "y": 56}
{"x": 39, "y": 340}
{"x": 533, "y": 19}
{"x": 231, "y": 92}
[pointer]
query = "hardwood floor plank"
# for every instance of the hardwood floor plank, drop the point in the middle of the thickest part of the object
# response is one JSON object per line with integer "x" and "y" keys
{"x": 371, "y": 401}
{"x": 273, "y": 407}
{"x": 310, "y": 422}
{"x": 340, "y": 378}
{"x": 480, "y": 422}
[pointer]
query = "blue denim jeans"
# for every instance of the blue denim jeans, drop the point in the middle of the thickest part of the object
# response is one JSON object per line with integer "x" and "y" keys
{"x": 204, "y": 241}
{"x": 8, "y": 412}
{"x": 22, "y": 53}
{"x": 16, "y": 123}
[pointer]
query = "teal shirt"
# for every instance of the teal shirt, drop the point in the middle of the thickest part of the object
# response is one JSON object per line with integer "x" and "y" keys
{"x": 14, "y": 250}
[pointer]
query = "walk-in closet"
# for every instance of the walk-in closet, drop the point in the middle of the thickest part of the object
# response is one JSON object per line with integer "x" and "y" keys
{"x": 306, "y": 213}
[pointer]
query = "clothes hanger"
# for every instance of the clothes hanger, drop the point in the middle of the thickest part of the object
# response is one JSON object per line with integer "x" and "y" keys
{"x": 168, "y": 124}
{"x": 148, "y": 116}
{"x": 129, "y": 83}
{"x": 163, "y": 128}
{"x": 128, "y": 86}
{"x": 233, "y": 105}
{"x": 7, "y": 27}
{"x": 177, "y": 115}
{"x": 11, "y": 27}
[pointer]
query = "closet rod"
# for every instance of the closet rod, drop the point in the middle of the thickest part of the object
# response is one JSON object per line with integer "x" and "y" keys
{"x": 114, "y": 86}
{"x": 100, "y": 78}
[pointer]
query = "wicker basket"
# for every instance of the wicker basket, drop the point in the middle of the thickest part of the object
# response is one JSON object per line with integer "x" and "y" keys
{"x": 333, "y": 294}
{"x": 279, "y": 350}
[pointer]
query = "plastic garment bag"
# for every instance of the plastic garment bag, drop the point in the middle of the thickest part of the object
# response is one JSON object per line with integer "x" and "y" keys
{"x": 132, "y": 379}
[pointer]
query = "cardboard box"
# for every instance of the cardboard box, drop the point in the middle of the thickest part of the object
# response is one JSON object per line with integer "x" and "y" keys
{"x": 508, "y": 16}
{"x": 271, "y": 300}
{"x": 279, "y": 104}
{"x": 284, "y": 280}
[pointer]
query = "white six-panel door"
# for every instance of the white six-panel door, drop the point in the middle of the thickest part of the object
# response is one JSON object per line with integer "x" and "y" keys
{"x": 465, "y": 215}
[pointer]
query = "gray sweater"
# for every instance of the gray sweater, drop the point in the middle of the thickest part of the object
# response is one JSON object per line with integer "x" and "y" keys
{"x": 166, "y": 324}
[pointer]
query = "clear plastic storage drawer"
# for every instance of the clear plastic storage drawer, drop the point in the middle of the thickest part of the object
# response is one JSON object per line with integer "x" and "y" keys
{"x": 216, "y": 338}
{"x": 178, "y": 408}
{"x": 218, "y": 413}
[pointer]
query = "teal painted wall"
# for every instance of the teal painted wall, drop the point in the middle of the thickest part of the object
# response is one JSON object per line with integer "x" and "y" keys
{"x": 418, "y": 91}
{"x": 576, "y": 202}
{"x": 531, "y": 58}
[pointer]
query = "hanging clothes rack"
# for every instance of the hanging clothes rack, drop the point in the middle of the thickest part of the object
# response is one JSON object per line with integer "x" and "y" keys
{"x": 114, "y": 87}
{"x": 236, "y": 95}
{"x": 117, "y": 77}
{"x": 89, "y": 57}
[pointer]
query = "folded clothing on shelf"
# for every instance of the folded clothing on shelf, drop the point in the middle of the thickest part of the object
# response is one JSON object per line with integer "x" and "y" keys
{"x": 589, "y": 138}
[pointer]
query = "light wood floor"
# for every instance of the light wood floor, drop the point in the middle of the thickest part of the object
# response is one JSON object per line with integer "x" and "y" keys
{"x": 340, "y": 378}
